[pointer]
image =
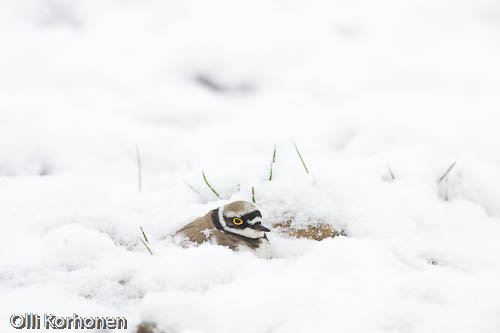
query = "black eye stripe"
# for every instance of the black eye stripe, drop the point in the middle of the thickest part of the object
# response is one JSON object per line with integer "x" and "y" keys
{"x": 250, "y": 216}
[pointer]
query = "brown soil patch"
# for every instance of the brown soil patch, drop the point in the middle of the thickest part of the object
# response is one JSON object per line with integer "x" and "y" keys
{"x": 317, "y": 231}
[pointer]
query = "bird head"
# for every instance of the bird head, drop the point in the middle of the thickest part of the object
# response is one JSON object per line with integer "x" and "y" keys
{"x": 241, "y": 218}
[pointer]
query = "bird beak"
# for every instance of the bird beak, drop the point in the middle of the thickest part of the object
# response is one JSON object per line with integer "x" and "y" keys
{"x": 260, "y": 227}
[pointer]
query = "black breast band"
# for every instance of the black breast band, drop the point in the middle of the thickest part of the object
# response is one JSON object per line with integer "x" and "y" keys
{"x": 216, "y": 221}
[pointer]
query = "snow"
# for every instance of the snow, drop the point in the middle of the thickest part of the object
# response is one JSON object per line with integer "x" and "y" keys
{"x": 360, "y": 86}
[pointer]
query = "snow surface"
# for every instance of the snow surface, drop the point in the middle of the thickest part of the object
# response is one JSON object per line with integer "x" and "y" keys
{"x": 360, "y": 86}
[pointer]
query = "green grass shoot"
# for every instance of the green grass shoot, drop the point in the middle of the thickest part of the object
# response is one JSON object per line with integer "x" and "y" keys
{"x": 301, "y": 159}
{"x": 272, "y": 162}
{"x": 210, "y": 186}
{"x": 443, "y": 177}
{"x": 146, "y": 245}
{"x": 253, "y": 195}
{"x": 144, "y": 235}
{"x": 145, "y": 241}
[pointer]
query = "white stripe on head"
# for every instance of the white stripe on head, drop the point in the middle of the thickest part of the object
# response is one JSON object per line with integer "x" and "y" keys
{"x": 221, "y": 218}
{"x": 256, "y": 219}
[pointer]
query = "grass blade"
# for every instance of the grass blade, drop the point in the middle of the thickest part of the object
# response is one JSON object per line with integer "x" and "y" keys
{"x": 145, "y": 241}
{"x": 210, "y": 186}
{"x": 272, "y": 162}
{"x": 191, "y": 187}
{"x": 146, "y": 245}
{"x": 144, "y": 235}
{"x": 253, "y": 195}
{"x": 447, "y": 172}
{"x": 391, "y": 173}
{"x": 301, "y": 159}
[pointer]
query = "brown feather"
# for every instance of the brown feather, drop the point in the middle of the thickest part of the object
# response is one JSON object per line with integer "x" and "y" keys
{"x": 194, "y": 231}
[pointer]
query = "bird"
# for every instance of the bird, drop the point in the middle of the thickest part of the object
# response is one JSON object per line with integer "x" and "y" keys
{"x": 237, "y": 225}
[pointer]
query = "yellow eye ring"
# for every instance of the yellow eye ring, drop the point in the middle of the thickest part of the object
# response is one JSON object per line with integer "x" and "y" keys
{"x": 237, "y": 221}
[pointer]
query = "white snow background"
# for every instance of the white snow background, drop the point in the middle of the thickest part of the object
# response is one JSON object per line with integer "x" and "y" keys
{"x": 360, "y": 86}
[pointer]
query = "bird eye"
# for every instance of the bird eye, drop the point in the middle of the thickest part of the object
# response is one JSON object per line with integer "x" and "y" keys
{"x": 237, "y": 221}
